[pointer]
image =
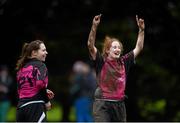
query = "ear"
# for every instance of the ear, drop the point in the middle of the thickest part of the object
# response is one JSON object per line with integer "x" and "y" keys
{"x": 107, "y": 51}
{"x": 34, "y": 53}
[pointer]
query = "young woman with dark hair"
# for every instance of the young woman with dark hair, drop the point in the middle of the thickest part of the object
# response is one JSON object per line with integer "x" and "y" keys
{"x": 32, "y": 81}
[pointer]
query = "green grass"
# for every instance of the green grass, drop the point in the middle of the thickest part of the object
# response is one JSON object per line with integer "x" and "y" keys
{"x": 11, "y": 114}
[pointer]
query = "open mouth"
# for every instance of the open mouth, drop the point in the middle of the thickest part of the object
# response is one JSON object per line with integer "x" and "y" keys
{"x": 117, "y": 53}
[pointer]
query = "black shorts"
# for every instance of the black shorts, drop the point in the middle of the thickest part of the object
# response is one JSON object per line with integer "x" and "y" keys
{"x": 31, "y": 113}
{"x": 109, "y": 111}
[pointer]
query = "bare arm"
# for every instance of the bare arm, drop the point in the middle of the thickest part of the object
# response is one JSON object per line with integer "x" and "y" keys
{"x": 140, "y": 39}
{"x": 92, "y": 37}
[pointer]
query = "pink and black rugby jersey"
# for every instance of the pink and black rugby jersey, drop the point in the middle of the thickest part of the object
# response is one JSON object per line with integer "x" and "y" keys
{"x": 32, "y": 78}
{"x": 111, "y": 76}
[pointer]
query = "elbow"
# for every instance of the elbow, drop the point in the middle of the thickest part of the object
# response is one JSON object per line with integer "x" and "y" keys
{"x": 89, "y": 45}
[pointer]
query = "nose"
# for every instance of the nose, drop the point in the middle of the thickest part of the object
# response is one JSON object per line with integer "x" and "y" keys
{"x": 117, "y": 49}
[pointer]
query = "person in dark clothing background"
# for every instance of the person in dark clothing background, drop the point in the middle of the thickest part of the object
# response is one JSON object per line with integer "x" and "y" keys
{"x": 83, "y": 86}
{"x": 6, "y": 82}
{"x": 32, "y": 81}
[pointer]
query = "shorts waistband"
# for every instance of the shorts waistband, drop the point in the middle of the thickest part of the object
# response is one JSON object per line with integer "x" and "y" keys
{"x": 31, "y": 102}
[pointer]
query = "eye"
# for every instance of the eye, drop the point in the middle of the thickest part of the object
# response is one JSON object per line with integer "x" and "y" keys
{"x": 44, "y": 50}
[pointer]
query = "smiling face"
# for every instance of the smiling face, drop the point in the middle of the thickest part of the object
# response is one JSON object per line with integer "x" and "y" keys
{"x": 41, "y": 53}
{"x": 114, "y": 51}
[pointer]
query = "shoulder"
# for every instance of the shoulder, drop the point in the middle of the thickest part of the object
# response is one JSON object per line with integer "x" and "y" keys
{"x": 37, "y": 63}
{"x": 128, "y": 55}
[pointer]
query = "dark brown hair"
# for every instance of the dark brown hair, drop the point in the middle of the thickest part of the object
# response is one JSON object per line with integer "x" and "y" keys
{"x": 26, "y": 52}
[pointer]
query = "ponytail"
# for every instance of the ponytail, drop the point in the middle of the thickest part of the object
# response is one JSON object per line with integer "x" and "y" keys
{"x": 26, "y": 52}
{"x": 23, "y": 56}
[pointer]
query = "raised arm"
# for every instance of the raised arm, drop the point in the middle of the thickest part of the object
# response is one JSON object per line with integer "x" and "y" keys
{"x": 92, "y": 36}
{"x": 140, "y": 39}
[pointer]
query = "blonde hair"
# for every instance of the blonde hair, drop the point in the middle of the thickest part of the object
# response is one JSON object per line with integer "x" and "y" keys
{"x": 107, "y": 44}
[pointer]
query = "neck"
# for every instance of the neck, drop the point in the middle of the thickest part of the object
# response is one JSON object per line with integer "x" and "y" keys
{"x": 110, "y": 58}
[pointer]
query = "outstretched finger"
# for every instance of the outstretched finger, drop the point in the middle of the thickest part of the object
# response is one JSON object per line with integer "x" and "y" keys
{"x": 98, "y": 17}
{"x": 137, "y": 18}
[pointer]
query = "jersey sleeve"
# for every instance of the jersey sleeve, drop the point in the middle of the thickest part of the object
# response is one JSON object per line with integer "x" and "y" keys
{"x": 98, "y": 62}
{"x": 42, "y": 80}
{"x": 41, "y": 74}
{"x": 129, "y": 60}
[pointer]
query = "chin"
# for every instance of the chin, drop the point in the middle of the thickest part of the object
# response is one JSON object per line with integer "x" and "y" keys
{"x": 43, "y": 60}
{"x": 116, "y": 57}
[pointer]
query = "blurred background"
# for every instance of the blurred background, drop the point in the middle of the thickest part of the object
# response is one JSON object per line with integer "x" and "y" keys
{"x": 153, "y": 84}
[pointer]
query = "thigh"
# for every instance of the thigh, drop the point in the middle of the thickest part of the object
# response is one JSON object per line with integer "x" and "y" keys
{"x": 100, "y": 111}
{"x": 119, "y": 112}
{"x": 20, "y": 115}
{"x": 32, "y": 113}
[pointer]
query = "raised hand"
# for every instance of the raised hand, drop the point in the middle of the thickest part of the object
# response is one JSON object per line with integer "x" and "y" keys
{"x": 50, "y": 94}
{"x": 140, "y": 23}
{"x": 97, "y": 19}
